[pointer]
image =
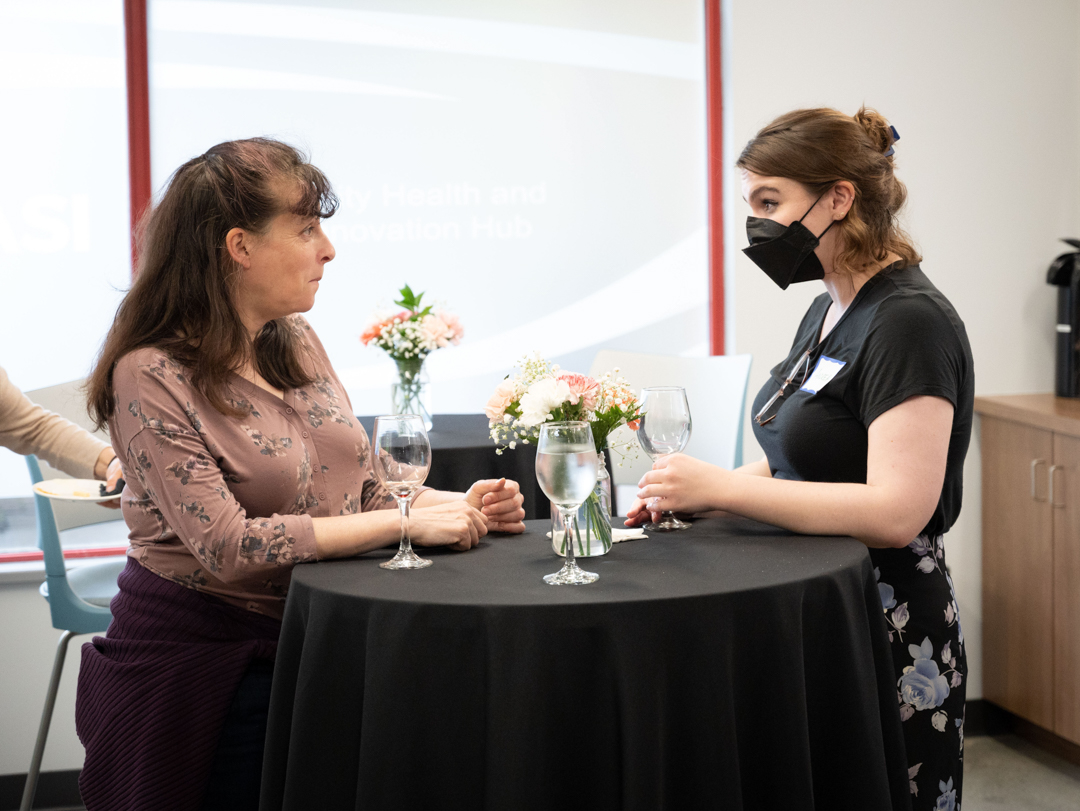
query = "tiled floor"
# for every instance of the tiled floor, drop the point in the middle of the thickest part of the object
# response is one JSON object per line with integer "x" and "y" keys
{"x": 1006, "y": 773}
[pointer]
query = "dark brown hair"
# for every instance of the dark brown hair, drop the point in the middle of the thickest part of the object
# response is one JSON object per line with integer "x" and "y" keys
{"x": 820, "y": 147}
{"x": 182, "y": 301}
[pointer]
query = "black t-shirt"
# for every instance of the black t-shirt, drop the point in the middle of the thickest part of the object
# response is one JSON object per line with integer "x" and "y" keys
{"x": 899, "y": 338}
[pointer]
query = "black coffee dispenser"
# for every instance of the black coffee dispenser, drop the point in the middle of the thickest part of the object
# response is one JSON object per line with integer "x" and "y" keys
{"x": 1065, "y": 273}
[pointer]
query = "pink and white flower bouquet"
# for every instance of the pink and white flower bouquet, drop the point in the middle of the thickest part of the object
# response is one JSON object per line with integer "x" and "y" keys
{"x": 415, "y": 332}
{"x": 541, "y": 392}
{"x": 409, "y": 337}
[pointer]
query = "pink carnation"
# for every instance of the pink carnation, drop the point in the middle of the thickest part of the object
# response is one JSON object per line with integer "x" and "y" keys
{"x": 582, "y": 388}
{"x": 435, "y": 331}
{"x": 455, "y": 332}
{"x": 500, "y": 401}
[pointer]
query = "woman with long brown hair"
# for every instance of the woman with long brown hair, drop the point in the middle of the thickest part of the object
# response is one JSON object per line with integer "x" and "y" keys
{"x": 242, "y": 459}
{"x": 866, "y": 422}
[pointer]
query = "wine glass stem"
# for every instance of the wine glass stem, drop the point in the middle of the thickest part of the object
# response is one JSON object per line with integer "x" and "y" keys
{"x": 405, "y": 546}
{"x": 569, "y": 518}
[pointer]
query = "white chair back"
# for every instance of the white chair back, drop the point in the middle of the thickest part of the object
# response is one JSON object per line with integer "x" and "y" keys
{"x": 716, "y": 390}
{"x": 69, "y": 401}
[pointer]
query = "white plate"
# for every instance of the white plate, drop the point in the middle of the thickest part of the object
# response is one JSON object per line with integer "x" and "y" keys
{"x": 73, "y": 490}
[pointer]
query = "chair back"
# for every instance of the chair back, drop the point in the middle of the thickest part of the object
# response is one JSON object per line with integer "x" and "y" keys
{"x": 69, "y": 612}
{"x": 96, "y": 582}
{"x": 715, "y": 389}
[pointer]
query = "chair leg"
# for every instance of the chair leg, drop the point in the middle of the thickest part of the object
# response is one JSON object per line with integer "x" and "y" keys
{"x": 46, "y": 718}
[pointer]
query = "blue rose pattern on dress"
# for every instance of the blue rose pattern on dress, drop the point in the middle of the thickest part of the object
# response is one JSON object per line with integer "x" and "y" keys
{"x": 922, "y": 685}
{"x": 946, "y": 801}
{"x": 919, "y": 602}
{"x": 885, "y": 592}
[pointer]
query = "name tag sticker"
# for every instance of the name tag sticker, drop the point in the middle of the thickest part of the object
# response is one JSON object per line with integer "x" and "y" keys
{"x": 825, "y": 371}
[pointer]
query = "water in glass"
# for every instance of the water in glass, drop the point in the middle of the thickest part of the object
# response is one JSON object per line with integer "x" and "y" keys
{"x": 567, "y": 476}
{"x": 566, "y": 463}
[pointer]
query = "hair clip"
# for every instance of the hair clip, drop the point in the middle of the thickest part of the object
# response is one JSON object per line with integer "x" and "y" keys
{"x": 895, "y": 137}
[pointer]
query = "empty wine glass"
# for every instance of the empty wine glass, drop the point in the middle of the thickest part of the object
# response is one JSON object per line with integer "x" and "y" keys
{"x": 401, "y": 456}
{"x": 664, "y": 428}
{"x": 566, "y": 471}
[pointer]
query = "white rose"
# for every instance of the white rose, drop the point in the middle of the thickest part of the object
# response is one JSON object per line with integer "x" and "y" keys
{"x": 542, "y": 396}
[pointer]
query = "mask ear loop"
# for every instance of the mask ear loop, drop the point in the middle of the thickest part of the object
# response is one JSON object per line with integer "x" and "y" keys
{"x": 803, "y": 217}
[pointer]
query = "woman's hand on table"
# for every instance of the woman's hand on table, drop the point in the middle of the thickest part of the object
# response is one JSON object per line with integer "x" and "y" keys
{"x": 455, "y": 524}
{"x": 678, "y": 483}
{"x": 640, "y": 512}
{"x": 500, "y": 502}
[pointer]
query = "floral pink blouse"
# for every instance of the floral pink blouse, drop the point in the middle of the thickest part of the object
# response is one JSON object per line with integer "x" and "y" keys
{"x": 223, "y": 505}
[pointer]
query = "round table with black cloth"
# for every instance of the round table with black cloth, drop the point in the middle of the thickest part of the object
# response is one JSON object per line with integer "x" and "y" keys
{"x": 729, "y": 666}
{"x": 463, "y": 452}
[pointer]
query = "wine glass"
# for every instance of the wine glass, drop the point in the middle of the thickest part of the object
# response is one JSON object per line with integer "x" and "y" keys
{"x": 664, "y": 428}
{"x": 566, "y": 471}
{"x": 401, "y": 456}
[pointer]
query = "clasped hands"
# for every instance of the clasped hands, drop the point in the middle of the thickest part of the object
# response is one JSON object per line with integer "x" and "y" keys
{"x": 490, "y": 505}
{"x": 676, "y": 483}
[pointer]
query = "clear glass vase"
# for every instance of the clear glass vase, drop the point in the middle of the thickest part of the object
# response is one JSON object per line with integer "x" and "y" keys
{"x": 411, "y": 392}
{"x": 592, "y": 536}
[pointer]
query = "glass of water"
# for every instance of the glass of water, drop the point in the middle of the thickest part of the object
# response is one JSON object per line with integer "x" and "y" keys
{"x": 664, "y": 428}
{"x": 401, "y": 456}
{"x": 566, "y": 471}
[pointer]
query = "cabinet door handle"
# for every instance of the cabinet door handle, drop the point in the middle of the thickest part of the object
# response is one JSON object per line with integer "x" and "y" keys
{"x": 1053, "y": 493}
{"x": 1034, "y": 465}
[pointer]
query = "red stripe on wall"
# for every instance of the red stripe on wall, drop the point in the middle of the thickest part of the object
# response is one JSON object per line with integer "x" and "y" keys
{"x": 138, "y": 106}
{"x": 69, "y": 554}
{"x": 715, "y": 114}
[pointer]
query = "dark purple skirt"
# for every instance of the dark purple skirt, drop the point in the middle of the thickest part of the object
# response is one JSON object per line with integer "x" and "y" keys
{"x": 153, "y": 693}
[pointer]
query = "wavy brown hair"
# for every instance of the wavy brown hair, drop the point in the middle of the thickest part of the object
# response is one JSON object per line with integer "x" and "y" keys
{"x": 183, "y": 298}
{"x": 820, "y": 147}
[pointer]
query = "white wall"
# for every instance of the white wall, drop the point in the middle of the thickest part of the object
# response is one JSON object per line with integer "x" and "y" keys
{"x": 986, "y": 97}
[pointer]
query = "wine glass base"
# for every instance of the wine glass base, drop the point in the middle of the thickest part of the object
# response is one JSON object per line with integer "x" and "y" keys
{"x": 406, "y": 560}
{"x": 570, "y": 575}
{"x": 667, "y": 523}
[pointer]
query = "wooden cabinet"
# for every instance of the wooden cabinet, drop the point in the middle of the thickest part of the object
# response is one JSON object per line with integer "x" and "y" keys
{"x": 1031, "y": 558}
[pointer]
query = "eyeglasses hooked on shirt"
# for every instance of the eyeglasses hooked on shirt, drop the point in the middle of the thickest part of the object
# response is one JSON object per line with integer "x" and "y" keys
{"x": 824, "y": 371}
{"x": 801, "y": 367}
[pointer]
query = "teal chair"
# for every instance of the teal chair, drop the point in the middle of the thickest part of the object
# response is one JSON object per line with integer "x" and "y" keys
{"x": 78, "y": 602}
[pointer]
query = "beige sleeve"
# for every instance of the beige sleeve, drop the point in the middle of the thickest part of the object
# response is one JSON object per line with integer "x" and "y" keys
{"x": 28, "y": 428}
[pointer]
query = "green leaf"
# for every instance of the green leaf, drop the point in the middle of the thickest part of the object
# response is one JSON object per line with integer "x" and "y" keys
{"x": 410, "y": 301}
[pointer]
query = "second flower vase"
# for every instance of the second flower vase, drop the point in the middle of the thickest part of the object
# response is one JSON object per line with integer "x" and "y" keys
{"x": 411, "y": 393}
{"x": 592, "y": 529}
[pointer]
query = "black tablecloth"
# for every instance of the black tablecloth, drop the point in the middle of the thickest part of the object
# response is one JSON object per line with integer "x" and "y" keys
{"x": 463, "y": 452}
{"x": 729, "y": 666}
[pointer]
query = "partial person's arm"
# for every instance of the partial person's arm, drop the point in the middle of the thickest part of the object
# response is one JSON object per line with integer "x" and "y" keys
{"x": 27, "y": 428}
{"x": 640, "y": 511}
{"x": 906, "y": 457}
{"x": 759, "y": 468}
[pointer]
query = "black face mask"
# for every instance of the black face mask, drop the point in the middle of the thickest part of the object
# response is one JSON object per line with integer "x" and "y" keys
{"x": 785, "y": 252}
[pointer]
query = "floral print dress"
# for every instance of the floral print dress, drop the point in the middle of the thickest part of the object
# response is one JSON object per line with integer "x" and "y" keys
{"x": 928, "y": 652}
